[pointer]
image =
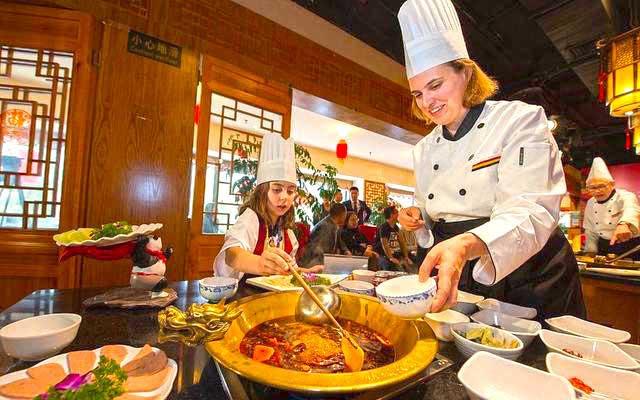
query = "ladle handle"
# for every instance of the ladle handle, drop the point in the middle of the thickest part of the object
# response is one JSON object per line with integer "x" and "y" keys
{"x": 314, "y": 297}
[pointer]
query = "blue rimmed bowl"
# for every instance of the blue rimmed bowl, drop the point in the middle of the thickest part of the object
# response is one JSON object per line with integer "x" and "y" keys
{"x": 216, "y": 288}
{"x": 406, "y": 296}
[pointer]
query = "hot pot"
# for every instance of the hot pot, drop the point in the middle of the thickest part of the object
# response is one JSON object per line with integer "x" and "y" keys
{"x": 414, "y": 342}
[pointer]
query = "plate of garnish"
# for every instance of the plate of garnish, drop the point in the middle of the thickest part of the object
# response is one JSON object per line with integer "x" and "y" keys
{"x": 111, "y": 372}
{"x": 279, "y": 283}
{"x": 107, "y": 235}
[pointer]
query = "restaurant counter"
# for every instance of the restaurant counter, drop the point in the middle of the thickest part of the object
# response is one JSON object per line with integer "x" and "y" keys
{"x": 198, "y": 376}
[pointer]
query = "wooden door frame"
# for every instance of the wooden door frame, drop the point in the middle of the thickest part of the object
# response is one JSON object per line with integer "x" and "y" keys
{"x": 228, "y": 80}
{"x": 32, "y": 252}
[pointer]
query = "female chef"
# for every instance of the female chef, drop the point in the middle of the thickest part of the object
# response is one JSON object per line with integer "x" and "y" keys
{"x": 261, "y": 241}
{"x": 488, "y": 178}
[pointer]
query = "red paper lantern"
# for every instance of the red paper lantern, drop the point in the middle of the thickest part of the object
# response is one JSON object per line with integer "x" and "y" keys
{"x": 341, "y": 150}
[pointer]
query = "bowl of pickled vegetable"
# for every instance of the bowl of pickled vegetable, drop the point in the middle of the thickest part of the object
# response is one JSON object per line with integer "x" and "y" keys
{"x": 470, "y": 337}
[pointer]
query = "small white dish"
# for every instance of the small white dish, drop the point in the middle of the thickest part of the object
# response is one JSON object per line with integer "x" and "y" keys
{"x": 469, "y": 347}
{"x": 486, "y": 376}
{"x": 40, "y": 337}
{"x": 441, "y": 323}
{"x": 612, "y": 382}
{"x": 216, "y": 288}
{"x": 507, "y": 308}
{"x": 363, "y": 275}
{"x": 526, "y": 330}
{"x": 588, "y": 329}
{"x": 406, "y": 296}
{"x": 467, "y": 302}
{"x": 358, "y": 287}
{"x": 592, "y": 350}
{"x": 283, "y": 283}
{"x": 632, "y": 350}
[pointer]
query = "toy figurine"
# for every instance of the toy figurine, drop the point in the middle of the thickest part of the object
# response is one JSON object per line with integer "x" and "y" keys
{"x": 149, "y": 264}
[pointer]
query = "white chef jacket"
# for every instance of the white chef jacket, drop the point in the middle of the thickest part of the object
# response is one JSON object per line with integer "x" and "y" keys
{"x": 507, "y": 168}
{"x": 601, "y": 219}
{"x": 244, "y": 234}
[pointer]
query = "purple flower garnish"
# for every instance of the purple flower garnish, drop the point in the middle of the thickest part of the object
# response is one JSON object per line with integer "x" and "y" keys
{"x": 70, "y": 382}
{"x": 310, "y": 276}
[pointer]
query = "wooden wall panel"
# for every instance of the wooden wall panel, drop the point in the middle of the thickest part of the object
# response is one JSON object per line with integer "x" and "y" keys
{"x": 141, "y": 151}
{"x": 28, "y": 259}
{"x": 228, "y": 31}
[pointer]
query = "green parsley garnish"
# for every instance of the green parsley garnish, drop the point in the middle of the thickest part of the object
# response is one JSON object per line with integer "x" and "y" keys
{"x": 111, "y": 230}
{"x": 107, "y": 384}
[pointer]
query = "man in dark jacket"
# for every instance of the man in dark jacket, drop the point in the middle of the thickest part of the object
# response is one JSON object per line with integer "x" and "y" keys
{"x": 325, "y": 238}
{"x": 361, "y": 208}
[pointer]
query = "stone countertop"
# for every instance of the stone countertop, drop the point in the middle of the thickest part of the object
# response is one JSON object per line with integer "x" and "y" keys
{"x": 198, "y": 376}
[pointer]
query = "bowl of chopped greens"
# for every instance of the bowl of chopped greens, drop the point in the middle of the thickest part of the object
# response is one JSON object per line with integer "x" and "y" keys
{"x": 470, "y": 337}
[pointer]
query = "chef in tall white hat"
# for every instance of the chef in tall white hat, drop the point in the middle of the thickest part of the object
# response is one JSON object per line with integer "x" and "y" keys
{"x": 262, "y": 241}
{"x": 612, "y": 217}
{"x": 488, "y": 177}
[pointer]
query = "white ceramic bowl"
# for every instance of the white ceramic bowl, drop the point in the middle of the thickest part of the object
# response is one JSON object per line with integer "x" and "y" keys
{"x": 612, "y": 382}
{"x": 215, "y": 288}
{"x": 632, "y": 350}
{"x": 358, "y": 287}
{"x": 588, "y": 329}
{"x": 469, "y": 347}
{"x": 441, "y": 323}
{"x": 526, "y": 330}
{"x": 592, "y": 350}
{"x": 37, "y": 338}
{"x": 363, "y": 275}
{"x": 489, "y": 377}
{"x": 507, "y": 308}
{"x": 406, "y": 296}
{"x": 467, "y": 302}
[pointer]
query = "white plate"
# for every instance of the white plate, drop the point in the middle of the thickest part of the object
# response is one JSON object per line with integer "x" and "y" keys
{"x": 526, "y": 330}
{"x": 487, "y": 376}
{"x": 616, "y": 271}
{"x": 631, "y": 349}
{"x": 468, "y": 347}
{"x": 611, "y": 382}
{"x": 592, "y": 350}
{"x": 162, "y": 392}
{"x": 282, "y": 283}
{"x": 580, "y": 327}
{"x": 138, "y": 230}
{"x": 508, "y": 308}
{"x": 441, "y": 323}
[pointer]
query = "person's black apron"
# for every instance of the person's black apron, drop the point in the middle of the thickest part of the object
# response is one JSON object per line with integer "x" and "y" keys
{"x": 605, "y": 248}
{"x": 548, "y": 281}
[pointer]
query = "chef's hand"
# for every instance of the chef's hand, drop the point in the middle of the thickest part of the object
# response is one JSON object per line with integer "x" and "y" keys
{"x": 449, "y": 257}
{"x": 274, "y": 261}
{"x": 316, "y": 269}
{"x": 621, "y": 234}
{"x": 410, "y": 218}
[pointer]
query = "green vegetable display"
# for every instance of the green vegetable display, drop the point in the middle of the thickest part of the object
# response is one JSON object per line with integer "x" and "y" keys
{"x": 311, "y": 280}
{"x": 111, "y": 230}
{"x": 485, "y": 336}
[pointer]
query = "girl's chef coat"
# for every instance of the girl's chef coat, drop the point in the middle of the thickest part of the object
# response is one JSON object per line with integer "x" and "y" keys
{"x": 248, "y": 233}
{"x": 601, "y": 219}
{"x": 506, "y": 167}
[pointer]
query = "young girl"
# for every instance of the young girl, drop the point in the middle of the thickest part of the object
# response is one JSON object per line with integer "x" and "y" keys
{"x": 262, "y": 242}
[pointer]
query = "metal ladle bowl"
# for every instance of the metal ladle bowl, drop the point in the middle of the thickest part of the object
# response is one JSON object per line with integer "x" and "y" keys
{"x": 308, "y": 311}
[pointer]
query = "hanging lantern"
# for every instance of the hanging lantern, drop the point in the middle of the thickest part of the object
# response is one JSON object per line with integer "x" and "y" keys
{"x": 341, "y": 150}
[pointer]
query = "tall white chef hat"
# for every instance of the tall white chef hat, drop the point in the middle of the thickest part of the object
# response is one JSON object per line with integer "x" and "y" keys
{"x": 431, "y": 34}
{"x": 277, "y": 160}
{"x": 599, "y": 171}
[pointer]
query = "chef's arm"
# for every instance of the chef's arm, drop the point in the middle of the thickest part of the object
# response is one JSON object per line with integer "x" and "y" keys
{"x": 530, "y": 186}
{"x": 630, "y": 212}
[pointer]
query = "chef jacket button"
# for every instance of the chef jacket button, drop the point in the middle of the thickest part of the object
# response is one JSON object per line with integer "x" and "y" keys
{"x": 595, "y": 212}
{"x": 609, "y": 210}
{"x": 438, "y": 140}
{"x": 596, "y": 223}
{"x": 462, "y": 192}
{"x": 436, "y": 167}
{"x": 430, "y": 196}
{"x": 441, "y": 220}
{"x": 470, "y": 157}
{"x": 481, "y": 125}
{"x": 609, "y": 223}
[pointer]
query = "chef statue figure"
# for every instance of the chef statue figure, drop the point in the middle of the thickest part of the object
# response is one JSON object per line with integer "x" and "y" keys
{"x": 488, "y": 178}
{"x": 612, "y": 216}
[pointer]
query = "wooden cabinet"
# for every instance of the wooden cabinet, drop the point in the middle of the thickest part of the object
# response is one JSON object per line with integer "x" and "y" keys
{"x": 613, "y": 304}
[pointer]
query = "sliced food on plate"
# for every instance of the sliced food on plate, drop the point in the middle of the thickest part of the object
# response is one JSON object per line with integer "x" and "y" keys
{"x": 117, "y": 371}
